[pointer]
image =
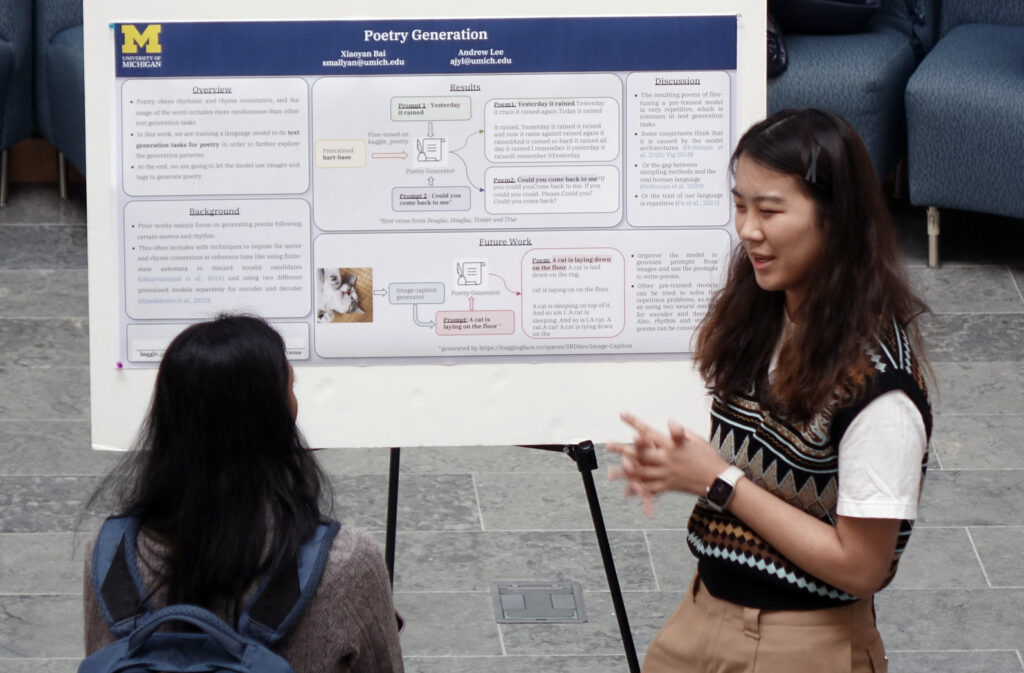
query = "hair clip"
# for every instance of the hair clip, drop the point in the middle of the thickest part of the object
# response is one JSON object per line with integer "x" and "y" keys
{"x": 812, "y": 170}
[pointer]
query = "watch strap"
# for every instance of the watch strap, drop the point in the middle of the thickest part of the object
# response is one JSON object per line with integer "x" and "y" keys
{"x": 724, "y": 481}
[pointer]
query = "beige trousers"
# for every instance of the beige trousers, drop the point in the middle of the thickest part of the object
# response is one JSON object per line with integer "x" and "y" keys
{"x": 708, "y": 635}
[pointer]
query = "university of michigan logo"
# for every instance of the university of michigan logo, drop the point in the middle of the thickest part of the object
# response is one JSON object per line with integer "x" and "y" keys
{"x": 148, "y": 39}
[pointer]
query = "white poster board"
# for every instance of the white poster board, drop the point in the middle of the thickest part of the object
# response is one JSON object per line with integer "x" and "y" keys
{"x": 486, "y": 229}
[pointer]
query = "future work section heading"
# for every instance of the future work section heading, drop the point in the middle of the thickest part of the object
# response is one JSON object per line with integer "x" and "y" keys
{"x": 598, "y": 44}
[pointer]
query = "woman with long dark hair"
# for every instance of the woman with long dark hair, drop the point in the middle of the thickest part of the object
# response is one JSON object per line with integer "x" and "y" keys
{"x": 819, "y": 423}
{"x": 226, "y": 492}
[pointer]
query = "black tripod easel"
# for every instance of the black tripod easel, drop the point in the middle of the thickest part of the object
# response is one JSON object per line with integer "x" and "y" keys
{"x": 586, "y": 461}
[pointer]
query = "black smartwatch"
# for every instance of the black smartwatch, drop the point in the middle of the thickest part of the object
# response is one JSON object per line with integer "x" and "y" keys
{"x": 719, "y": 493}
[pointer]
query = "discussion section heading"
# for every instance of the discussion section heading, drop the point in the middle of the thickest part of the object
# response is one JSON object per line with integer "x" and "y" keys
{"x": 425, "y": 46}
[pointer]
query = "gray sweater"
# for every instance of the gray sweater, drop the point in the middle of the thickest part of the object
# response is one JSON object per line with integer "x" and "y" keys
{"x": 349, "y": 626}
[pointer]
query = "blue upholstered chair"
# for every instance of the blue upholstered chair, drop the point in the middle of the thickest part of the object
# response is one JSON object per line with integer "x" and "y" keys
{"x": 861, "y": 76}
{"x": 60, "y": 81}
{"x": 15, "y": 79}
{"x": 965, "y": 115}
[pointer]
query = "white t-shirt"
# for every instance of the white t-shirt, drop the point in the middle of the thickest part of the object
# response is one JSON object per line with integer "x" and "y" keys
{"x": 880, "y": 457}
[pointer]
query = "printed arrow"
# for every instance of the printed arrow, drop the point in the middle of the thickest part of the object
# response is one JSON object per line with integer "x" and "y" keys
{"x": 380, "y": 293}
{"x": 416, "y": 318}
{"x": 479, "y": 189}
{"x": 506, "y": 284}
{"x": 430, "y": 181}
{"x": 472, "y": 301}
{"x": 389, "y": 155}
{"x": 430, "y": 129}
{"x": 468, "y": 139}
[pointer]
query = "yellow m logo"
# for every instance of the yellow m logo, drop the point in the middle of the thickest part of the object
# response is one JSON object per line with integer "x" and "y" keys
{"x": 149, "y": 39}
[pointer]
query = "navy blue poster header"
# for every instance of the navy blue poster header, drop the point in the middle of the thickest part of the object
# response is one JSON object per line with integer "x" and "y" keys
{"x": 376, "y": 47}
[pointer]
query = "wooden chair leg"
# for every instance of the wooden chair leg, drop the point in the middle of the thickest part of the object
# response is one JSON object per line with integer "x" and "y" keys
{"x": 3, "y": 178}
{"x": 62, "y": 176}
{"x": 933, "y": 236}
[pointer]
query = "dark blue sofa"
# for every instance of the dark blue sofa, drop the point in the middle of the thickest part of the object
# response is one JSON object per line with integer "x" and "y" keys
{"x": 16, "y": 119}
{"x": 861, "y": 76}
{"x": 60, "y": 80}
{"x": 965, "y": 115}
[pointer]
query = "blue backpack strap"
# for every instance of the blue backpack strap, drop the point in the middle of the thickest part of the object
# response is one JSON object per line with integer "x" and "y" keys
{"x": 281, "y": 600}
{"x": 116, "y": 579}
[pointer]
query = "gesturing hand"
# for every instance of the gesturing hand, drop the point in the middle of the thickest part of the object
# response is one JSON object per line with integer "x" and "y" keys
{"x": 656, "y": 462}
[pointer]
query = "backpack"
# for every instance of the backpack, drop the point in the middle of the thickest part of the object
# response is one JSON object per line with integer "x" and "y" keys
{"x": 266, "y": 617}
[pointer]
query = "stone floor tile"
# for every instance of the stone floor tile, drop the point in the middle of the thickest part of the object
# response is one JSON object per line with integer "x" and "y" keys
{"x": 975, "y": 289}
{"x": 472, "y": 561}
{"x": 447, "y": 459}
{"x": 445, "y": 624}
{"x": 980, "y": 337}
{"x": 40, "y": 665}
{"x": 43, "y": 394}
{"x": 674, "y": 565}
{"x": 1018, "y": 278}
{"x": 51, "y": 448}
{"x": 1001, "y": 661}
{"x": 31, "y": 293}
{"x": 972, "y": 498}
{"x": 951, "y": 619}
{"x": 42, "y": 563}
{"x": 939, "y": 558}
{"x": 41, "y": 627}
{"x": 41, "y": 504}
{"x": 426, "y": 502}
{"x": 42, "y": 247}
{"x": 979, "y": 387}
{"x": 598, "y": 635}
{"x": 559, "y": 502}
{"x": 646, "y": 611}
{"x": 575, "y": 663}
{"x": 39, "y": 203}
{"x": 979, "y": 442}
{"x": 1001, "y": 549}
{"x": 354, "y": 461}
{"x": 49, "y": 342}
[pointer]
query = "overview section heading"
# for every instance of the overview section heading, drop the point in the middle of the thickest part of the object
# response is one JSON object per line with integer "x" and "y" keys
{"x": 424, "y": 46}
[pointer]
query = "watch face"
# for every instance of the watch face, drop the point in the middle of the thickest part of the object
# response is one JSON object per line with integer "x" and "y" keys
{"x": 719, "y": 492}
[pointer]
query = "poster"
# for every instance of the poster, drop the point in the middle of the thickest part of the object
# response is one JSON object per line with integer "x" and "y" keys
{"x": 427, "y": 190}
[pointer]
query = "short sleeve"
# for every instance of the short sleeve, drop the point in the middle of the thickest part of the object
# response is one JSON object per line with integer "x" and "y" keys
{"x": 880, "y": 458}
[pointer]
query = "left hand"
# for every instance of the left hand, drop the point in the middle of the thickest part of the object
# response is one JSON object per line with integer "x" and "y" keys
{"x": 656, "y": 462}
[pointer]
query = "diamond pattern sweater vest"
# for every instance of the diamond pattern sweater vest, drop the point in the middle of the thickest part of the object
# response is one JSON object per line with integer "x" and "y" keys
{"x": 798, "y": 463}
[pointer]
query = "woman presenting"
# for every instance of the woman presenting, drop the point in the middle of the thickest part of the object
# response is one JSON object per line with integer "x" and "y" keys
{"x": 819, "y": 423}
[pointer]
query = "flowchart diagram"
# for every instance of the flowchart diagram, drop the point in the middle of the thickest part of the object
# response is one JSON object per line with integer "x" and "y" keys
{"x": 455, "y": 294}
{"x": 486, "y": 155}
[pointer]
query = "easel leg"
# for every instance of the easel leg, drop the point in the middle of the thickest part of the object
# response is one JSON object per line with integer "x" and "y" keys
{"x": 586, "y": 461}
{"x": 389, "y": 543}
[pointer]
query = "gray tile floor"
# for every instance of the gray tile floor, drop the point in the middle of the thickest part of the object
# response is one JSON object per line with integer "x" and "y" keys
{"x": 469, "y": 517}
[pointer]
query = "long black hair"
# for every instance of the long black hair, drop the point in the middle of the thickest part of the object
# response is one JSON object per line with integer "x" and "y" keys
{"x": 219, "y": 473}
{"x": 858, "y": 286}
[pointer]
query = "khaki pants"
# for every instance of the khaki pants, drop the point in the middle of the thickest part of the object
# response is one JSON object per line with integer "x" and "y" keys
{"x": 709, "y": 635}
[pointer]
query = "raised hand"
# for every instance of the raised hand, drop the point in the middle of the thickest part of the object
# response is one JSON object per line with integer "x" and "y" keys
{"x": 678, "y": 460}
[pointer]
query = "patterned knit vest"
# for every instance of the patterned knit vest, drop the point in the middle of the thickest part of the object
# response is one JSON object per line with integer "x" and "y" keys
{"x": 799, "y": 463}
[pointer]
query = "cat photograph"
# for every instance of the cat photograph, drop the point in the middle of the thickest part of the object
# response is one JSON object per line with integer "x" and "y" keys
{"x": 336, "y": 295}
